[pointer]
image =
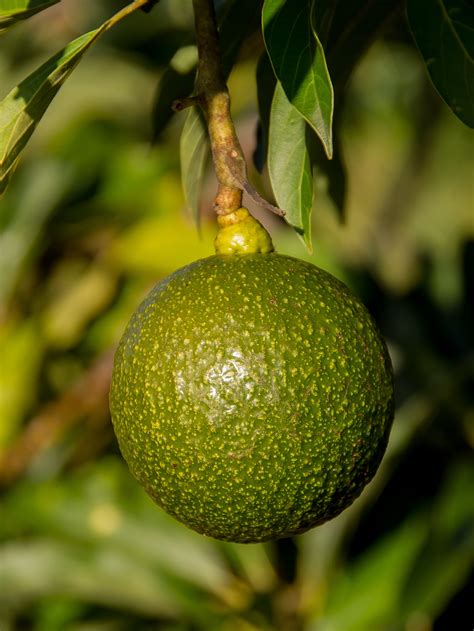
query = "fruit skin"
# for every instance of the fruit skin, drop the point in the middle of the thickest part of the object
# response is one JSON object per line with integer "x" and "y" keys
{"x": 252, "y": 396}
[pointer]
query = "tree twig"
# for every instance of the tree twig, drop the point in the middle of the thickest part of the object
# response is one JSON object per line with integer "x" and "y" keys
{"x": 213, "y": 96}
{"x": 83, "y": 399}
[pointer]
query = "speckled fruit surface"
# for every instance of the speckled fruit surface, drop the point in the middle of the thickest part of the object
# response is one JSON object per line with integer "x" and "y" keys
{"x": 252, "y": 396}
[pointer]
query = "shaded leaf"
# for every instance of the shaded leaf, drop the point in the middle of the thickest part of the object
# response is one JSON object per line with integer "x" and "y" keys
{"x": 446, "y": 558}
{"x": 235, "y": 19}
{"x": 347, "y": 29}
{"x": 174, "y": 84}
{"x": 194, "y": 152}
{"x": 444, "y": 33}
{"x": 298, "y": 59}
{"x": 266, "y": 82}
{"x": 39, "y": 193}
{"x": 235, "y": 22}
{"x": 289, "y": 165}
{"x": 333, "y": 170}
{"x": 323, "y": 12}
{"x": 12, "y": 11}
{"x": 359, "y": 599}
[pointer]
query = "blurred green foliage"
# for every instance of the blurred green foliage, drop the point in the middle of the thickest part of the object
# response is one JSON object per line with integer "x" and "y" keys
{"x": 93, "y": 217}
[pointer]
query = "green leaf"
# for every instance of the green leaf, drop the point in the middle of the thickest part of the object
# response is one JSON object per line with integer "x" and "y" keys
{"x": 359, "y": 599}
{"x": 266, "y": 82}
{"x": 333, "y": 170}
{"x": 298, "y": 59}
{"x": 12, "y": 11}
{"x": 236, "y": 21}
{"x": 445, "y": 559}
{"x": 289, "y": 164}
{"x": 443, "y": 31}
{"x": 194, "y": 153}
{"x": 23, "y": 108}
{"x": 347, "y": 28}
{"x": 173, "y": 85}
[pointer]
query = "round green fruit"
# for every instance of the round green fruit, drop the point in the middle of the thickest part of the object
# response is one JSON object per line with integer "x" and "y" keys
{"x": 252, "y": 396}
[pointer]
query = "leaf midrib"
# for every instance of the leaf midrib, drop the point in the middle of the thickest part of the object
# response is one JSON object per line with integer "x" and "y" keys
{"x": 450, "y": 23}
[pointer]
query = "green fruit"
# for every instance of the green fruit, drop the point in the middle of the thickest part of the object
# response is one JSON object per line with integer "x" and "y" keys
{"x": 252, "y": 396}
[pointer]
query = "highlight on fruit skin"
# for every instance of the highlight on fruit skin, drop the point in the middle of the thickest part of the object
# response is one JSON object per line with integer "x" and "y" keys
{"x": 252, "y": 396}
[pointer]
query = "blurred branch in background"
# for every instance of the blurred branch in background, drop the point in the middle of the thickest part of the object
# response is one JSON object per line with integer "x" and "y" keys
{"x": 85, "y": 402}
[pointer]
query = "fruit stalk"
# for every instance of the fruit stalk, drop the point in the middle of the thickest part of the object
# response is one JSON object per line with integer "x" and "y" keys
{"x": 213, "y": 97}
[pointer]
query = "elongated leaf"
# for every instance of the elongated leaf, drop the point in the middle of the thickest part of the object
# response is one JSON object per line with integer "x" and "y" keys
{"x": 334, "y": 170}
{"x": 12, "y": 11}
{"x": 194, "y": 154}
{"x": 237, "y": 20}
{"x": 173, "y": 85}
{"x": 289, "y": 164}
{"x": 444, "y": 33}
{"x": 359, "y": 600}
{"x": 445, "y": 559}
{"x": 23, "y": 108}
{"x": 347, "y": 28}
{"x": 298, "y": 59}
{"x": 266, "y": 82}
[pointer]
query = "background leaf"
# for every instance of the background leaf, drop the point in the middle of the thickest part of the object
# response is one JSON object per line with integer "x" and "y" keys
{"x": 289, "y": 165}
{"x": 298, "y": 59}
{"x": 266, "y": 82}
{"x": 12, "y": 11}
{"x": 444, "y": 33}
{"x": 194, "y": 151}
{"x": 347, "y": 29}
{"x": 334, "y": 170}
{"x": 176, "y": 82}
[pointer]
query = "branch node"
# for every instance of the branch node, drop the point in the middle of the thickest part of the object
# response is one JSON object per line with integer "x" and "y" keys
{"x": 181, "y": 104}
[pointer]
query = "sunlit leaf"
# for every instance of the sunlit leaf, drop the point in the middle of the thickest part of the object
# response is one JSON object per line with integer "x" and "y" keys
{"x": 22, "y": 109}
{"x": 444, "y": 33}
{"x": 298, "y": 59}
{"x": 289, "y": 165}
{"x": 12, "y": 11}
